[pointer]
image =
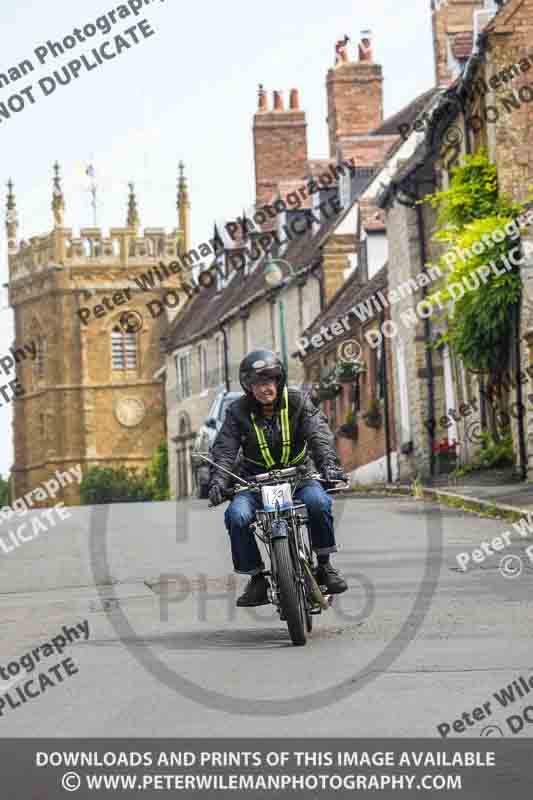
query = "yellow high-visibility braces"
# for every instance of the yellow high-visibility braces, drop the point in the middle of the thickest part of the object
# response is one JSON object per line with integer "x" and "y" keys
{"x": 285, "y": 438}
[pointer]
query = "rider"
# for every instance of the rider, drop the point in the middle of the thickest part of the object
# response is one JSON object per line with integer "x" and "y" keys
{"x": 274, "y": 426}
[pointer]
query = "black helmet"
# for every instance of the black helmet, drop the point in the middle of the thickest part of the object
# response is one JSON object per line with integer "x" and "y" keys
{"x": 261, "y": 364}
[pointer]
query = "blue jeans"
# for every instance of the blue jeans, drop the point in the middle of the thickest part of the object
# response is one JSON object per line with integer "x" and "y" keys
{"x": 241, "y": 512}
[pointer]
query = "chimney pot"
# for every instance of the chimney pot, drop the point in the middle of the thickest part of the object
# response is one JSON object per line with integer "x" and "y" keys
{"x": 263, "y": 100}
{"x": 294, "y": 101}
{"x": 365, "y": 46}
{"x": 278, "y": 101}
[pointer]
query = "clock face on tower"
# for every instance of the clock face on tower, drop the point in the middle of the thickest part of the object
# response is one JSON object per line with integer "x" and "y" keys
{"x": 129, "y": 411}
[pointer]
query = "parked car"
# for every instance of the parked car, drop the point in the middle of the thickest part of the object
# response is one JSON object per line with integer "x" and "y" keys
{"x": 206, "y": 436}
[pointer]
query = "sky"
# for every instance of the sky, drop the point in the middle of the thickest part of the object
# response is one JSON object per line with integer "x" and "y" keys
{"x": 187, "y": 92}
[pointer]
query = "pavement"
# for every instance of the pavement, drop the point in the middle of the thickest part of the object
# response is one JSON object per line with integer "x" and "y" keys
{"x": 495, "y": 488}
{"x": 415, "y": 644}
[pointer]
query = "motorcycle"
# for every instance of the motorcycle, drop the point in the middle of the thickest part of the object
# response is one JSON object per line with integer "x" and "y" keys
{"x": 284, "y": 534}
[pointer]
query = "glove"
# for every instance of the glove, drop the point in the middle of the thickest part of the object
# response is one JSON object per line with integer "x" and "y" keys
{"x": 333, "y": 473}
{"x": 216, "y": 495}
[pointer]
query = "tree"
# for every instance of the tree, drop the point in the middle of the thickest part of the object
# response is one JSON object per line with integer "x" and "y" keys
{"x": 158, "y": 473}
{"x": 4, "y": 492}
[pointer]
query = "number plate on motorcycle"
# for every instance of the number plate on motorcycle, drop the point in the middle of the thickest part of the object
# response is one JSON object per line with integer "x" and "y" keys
{"x": 280, "y": 495}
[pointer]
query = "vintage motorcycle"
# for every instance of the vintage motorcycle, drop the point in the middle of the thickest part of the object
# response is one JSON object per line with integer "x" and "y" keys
{"x": 284, "y": 534}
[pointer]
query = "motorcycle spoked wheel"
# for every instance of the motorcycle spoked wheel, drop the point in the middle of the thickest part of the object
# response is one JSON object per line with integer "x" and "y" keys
{"x": 291, "y": 594}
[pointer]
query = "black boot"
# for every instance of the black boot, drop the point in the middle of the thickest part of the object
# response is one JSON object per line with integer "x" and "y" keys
{"x": 326, "y": 575}
{"x": 255, "y": 593}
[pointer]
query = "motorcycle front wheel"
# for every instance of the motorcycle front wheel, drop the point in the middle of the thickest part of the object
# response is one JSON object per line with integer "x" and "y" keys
{"x": 291, "y": 592}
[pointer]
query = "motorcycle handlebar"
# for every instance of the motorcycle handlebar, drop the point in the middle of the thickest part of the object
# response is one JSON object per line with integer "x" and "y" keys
{"x": 254, "y": 485}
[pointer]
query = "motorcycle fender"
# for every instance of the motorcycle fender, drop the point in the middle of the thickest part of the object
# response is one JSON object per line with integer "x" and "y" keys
{"x": 280, "y": 529}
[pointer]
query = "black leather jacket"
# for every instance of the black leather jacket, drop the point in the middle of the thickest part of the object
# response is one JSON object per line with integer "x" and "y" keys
{"x": 308, "y": 425}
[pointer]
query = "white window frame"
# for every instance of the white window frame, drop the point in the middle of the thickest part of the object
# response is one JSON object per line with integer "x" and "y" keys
{"x": 405, "y": 418}
{"x": 126, "y": 340}
{"x": 219, "y": 360}
{"x": 184, "y": 357}
{"x": 203, "y": 368}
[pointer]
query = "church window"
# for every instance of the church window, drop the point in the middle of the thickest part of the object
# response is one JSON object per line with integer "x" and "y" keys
{"x": 123, "y": 349}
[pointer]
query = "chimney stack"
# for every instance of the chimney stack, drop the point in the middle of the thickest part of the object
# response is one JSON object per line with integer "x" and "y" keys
{"x": 453, "y": 35}
{"x": 355, "y": 93}
{"x": 280, "y": 144}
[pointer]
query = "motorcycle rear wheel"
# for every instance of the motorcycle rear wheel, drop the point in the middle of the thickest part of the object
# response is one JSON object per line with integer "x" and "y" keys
{"x": 291, "y": 594}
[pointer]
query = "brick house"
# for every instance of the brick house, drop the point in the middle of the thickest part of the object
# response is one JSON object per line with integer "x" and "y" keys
{"x": 240, "y": 310}
{"x": 366, "y": 447}
{"x": 475, "y": 110}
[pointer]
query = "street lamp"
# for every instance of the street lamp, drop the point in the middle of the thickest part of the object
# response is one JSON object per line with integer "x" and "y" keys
{"x": 274, "y": 280}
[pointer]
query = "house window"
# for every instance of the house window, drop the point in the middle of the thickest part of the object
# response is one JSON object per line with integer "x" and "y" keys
{"x": 220, "y": 376}
{"x": 123, "y": 349}
{"x": 183, "y": 370}
{"x": 377, "y": 385}
{"x": 202, "y": 358}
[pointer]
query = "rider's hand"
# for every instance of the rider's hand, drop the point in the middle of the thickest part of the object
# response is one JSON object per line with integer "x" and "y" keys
{"x": 332, "y": 474}
{"x": 216, "y": 495}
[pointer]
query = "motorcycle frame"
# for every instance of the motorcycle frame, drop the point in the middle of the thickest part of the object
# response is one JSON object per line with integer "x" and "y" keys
{"x": 301, "y": 549}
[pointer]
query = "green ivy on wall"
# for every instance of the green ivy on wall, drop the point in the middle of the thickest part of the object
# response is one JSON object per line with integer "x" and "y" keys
{"x": 468, "y": 213}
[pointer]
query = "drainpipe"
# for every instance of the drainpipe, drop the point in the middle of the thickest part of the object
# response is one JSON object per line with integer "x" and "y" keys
{"x": 386, "y": 401}
{"x": 226, "y": 365}
{"x": 518, "y": 363}
{"x": 317, "y": 272}
{"x": 427, "y": 337}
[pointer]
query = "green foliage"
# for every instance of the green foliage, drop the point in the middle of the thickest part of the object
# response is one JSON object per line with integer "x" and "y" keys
{"x": 124, "y": 485}
{"x": 479, "y": 328}
{"x": 496, "y": 454}
{"x": 4, "y": 492}
{"x": 473, "y": 194}
{"x": 158, "y": 473}
{"x": 417, "y": 489}
{"x": 121, "y": 485}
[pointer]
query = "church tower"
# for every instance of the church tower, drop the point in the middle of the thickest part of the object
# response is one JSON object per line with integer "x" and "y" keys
{"x": 88, "y": 342}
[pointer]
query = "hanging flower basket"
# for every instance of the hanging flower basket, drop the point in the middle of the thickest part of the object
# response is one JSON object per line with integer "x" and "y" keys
{"x": 329, "y": 391}
{"x": 349, "y": 431}
{"x": 373, "y": 418}
{"x": 347, "y": 371}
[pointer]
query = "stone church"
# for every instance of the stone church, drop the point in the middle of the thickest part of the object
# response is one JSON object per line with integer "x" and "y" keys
{"x": 91, "y": 391}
